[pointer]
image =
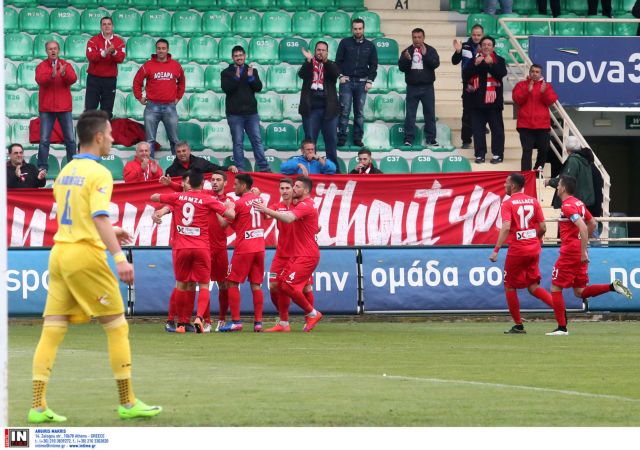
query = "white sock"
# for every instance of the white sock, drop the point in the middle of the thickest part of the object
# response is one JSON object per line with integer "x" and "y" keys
{"x": 313, "y": 313}
{"x": 284, "y": 323}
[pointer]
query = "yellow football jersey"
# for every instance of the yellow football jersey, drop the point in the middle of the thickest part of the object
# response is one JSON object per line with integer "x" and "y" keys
{"x": 82, "y": 191}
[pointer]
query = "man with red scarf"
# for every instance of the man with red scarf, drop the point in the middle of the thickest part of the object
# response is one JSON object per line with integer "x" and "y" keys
{"x": 484, "y": 86}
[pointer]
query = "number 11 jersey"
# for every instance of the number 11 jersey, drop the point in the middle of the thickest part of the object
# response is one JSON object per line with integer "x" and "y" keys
{"x": 248, "y": 226}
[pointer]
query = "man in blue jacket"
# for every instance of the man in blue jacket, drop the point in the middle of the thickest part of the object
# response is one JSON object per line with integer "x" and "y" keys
{"x": 309, "y": 163}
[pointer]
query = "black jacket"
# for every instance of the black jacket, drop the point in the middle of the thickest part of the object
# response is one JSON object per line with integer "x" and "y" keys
{"x": 331, "y": 73}
{"x": 29, "y": 177}
{"x": 497, "y": 70}
{"x": 195, "y": 162}
{"x": 357, "y": 59}
{"x": 430, "y": 61}
{"x": 373, "y": 171}
{"x": 636, "y": 13}
{"x": 241, "y": 98}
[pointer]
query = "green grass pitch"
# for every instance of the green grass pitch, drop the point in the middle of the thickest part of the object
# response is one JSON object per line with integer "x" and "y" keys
{"x": 437, "y": 374}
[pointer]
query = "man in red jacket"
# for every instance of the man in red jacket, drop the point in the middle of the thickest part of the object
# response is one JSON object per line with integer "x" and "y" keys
{"x": 142, "y": 168}
{"x": 164, "y": 88}
{"x": 55, "y": 77}
{"x": 104, "y": 52}
{"x": 533, "y": 97}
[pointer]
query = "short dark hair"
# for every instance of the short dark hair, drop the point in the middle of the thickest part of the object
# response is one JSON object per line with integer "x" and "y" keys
{"x": 307, "y": 141}
{"x": 322, "y": 42}
{"x": 245, "y": 179}
{"x": 417, "y": 30}
{"x": 364, "y": 151}
{"x": 196, "y": 178}
{"x": 536, "y": 65}
{"x": 237, "y": 48}
{"x": 162, "y": 41}
{"x": 493, "y": 41}
{"x": 10, "y": 147}
{"x": 183, "y": 144}
{"x": 90, "y": 123}
{"x": 517, "y": 179}
{"x": 306, "y": 181}
{"x": 106, "y": 18}
{"x": 221, "y": 173}
{"x": 358, "y": 20}
{"x": 286, "y": 180}
{"x": 569, "y": 183}
{"x": 477, "y": 25}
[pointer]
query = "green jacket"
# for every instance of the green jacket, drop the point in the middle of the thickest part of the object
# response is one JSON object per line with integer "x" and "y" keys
{"x": 577, "y": 166}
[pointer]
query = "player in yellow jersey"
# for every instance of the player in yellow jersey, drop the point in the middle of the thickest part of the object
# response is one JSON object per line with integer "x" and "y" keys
{"x": 81, "y": 284}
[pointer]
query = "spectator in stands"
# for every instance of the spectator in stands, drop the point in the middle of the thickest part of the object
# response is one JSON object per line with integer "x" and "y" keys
{"x": 555, "y": 7}
{"x": 104, "y": 52}
{"x": 318, "y": 98}
{"x": 21, "y": 174}
{"x": 165, "y": 85}
{"x": 186, "y": 161}
{"x": 490, "y": 6}
{"x": 309, "y": 163}
{"x": 533, "y": 97}
{"x": 55, "y": 77}
{"x": 419, "y": 63}
{"x": 484, "y": 85}
{"x": 465, "y": 53}
{"x": 579, "y": 167}
{"x": 593, "y": 8}
{"x": 365, "y": 164}
{"x": 636, "y": 13}
{"x": 357, "y": 59}
{"x": 241, "y": 82}
{"x": 142, "y": 167}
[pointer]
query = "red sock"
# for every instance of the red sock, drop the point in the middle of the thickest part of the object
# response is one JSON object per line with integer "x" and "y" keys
{"x": 514, "y": 306}
{"x": 297, "y": 296}
{"x": 543, "y": 295}
{"x": 258, "y": 304}
{"x": 559, "y": 308}
{"x": 183, "y": 306}
{"x": 172, "y": 305}
{"x": 284, "y": 301}
{"x": 223, "y": 300}
{"x": 309, "y": 296}
{"x": 596, "y": 289}
{"x": 191, "y": 304}
{"x": 274, "y": 293}
{"x": 203, "y": 303}
{"x": 234, "y": 302}
{"x": 207, "y": 311}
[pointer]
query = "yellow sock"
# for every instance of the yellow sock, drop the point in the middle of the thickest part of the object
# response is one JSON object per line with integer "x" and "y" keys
{"x": 120, "y": 357}
{"x": 53, "y": 333}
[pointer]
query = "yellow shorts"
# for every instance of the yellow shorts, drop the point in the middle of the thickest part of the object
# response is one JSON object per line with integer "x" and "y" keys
{"x": 81, "y": 284}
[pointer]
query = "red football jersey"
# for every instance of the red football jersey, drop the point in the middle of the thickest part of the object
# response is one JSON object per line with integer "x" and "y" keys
{"x": 248, "y": 225}
{"x": 191, "y": 217}
{"x": 284, "y": 230}
{"x": 217, "y": 234}
{"x": 525, "y": 215}
{"x": 571, "y": 210}
{"x": 303, "y": 235}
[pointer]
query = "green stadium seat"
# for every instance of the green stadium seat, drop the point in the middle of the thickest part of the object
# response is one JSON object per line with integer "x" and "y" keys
{"x": 173, "y": 5}
{"x": 369, "y": 110}
{"x": 246, "y": 143}
{"x": 40, "y": 41}
{"x": 597, "y": 28}
{"x": 333, "y": 46}
{"x": 120, "y": 106}
{"x": 165, "y": 161}
{"x": 456, "y": 163}
{"x": 322, "y": 5}
{"x": 10, "y": 75}
{"x": 569, "y": 28}
{"x": 425, "y": 164}
{"x": 342, "y": 167}
{"x": 269, "y": 107}
{"x": 246, "y": 23}
{"x": 134, "y": 109}
{"x": 192, "y": 133}
{"x": 80, "y": 83}
{"x": 182, "y": 108}
{"x": 205, "y": 107}
{"x": 90, "y": 20}
{"x": 395, "y": 80}
{"x": 83, "y": 4}
{"x": 186, "y": 23}
{"x": 53, "y": 3}
{"x": 232, "y": 5}
{"x": 156, "y": 23}
{"x": 290, "y": 50}
{"x": 619, "y": 28}
{"x": 217, "y": 136}
{"x": 18, "y": 46}
{"x": 579, "y": 7}
{"x": 64, "y": 21}
{"x": 178, "y": 48}
{"x": 443, "y": 136}
{"x": 27, "y": 75}
{"x": 276, "y": 24}
{"x": 264, "y": 50}
{"x": 380, "y": 84}
{"x": 262, "y": 5}
{"x": 194, "y": 77}
{"x": 350, "y": 5}
{"x": 290, "y": 105}
{"x": 539, "y": 28}
{"x": 126, "y": 73}
{"x": 228, "y": 161}
{"x": 283, "y": 78}
{"x": 274, "y": 163}
{"x": 388, "y": 51}
{"x": 216, "y": 23}
{"x": 16, "y": 104}
{"x": 203, "y": 49}
{"x": 396, "y": 138}
{"x": 225, "y": 46}
{"x": 336, "y": 24}
{"x": 126, "y": 22}
{"x": 376, "y": 136}
{"x": 465, "y": 6}
{"x": 524, "y": 43}
{"x": 140, "y": 48}
{"x": 114, "y": 164}
{"x": 517, "y": 28}
{"x": 371, "y": 23}
{"x": 389, "y": 107}
{"x": 525, "y": 7}
{"x": 623, "y": 6}
{"x": 20, "y": 131}
{"x": 487, "y": 21}
{"x": 393, "y": 164}
{"x": 110, "y": 4}
{"x": 503, "y": 45}
{"x": 34, "y": 20}
{"x": 281, "y": 137}
{"x": 305, "y": 24}
{"x": 11, "y": 20}
{"x": 52, "y": 161}
{"x": 292, "y": 5}
{"x": 212, "y": 77}
{"x": 75, "y": 47}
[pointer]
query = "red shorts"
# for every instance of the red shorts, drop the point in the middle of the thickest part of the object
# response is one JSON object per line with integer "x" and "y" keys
{"x": 192, "y": 264}
{"x": 299, "y": 270}
{"x": 277, "y": 266}
{"x": 569, "y": 272}
{"x": 219, "y": 265}
{"x": 521, "y": 271}
{"x": 245, "y": 265}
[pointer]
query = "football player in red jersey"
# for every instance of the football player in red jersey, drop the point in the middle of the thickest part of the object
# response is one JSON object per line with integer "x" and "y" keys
{"x": 192, "y": 263}
{"x": 522, "y": 227}
{"x": 570, "y": 270}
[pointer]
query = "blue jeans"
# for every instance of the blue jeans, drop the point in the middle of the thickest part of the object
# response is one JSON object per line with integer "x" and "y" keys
{"x": 490, "y": 6}
{"x": 154, "y": 113}
{"x": 47, "y": 120}
{"x": 415, "y": 95}
{"x": 251, "y": 124}
{"x": 314, "y": 123}
{"x": 352, "y": 92}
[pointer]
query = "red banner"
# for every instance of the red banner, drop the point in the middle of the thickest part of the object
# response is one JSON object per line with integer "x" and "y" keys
{"x": 429, "y": 209}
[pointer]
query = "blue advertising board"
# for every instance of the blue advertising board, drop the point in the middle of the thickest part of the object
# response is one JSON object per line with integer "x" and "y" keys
{"x": 590, "y": 71}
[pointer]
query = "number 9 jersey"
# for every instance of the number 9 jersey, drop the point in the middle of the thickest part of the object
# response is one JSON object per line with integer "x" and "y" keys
{"x": 525, "y": 215}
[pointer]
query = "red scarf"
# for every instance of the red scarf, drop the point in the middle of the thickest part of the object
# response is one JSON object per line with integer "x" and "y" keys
{"x": 490, "y": 93}
{"x": 318, "y": 76}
